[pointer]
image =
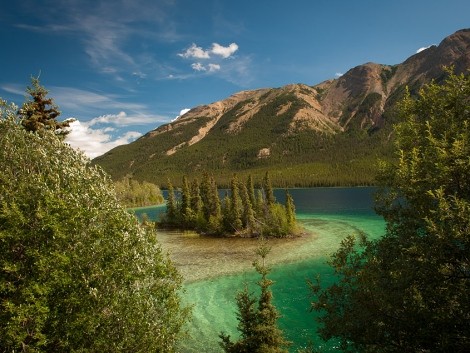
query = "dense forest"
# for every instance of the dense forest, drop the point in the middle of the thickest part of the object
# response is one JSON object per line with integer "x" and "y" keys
{"x": 241, "y": 212}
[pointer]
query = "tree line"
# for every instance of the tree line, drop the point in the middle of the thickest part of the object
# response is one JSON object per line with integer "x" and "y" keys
{"x": 243, "y": 211}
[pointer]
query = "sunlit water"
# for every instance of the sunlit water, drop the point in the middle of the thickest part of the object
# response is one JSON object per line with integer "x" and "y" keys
{"x": 216, "y": 268}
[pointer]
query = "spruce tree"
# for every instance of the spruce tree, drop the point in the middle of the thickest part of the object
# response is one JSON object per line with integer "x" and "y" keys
{"x": 41, "y": 113}
{"x": 185, "y": 205}
{"x": 259, "y": 332}
{"x": 268, "y": 190}
{"x": 205, "y": 192}
{"x": 171, "y": 209}
{"x": 250, "y": 186}
{"x": 248, "y": 216}
{"x": 290, "y": 211}
{"x": 235, "y": 205}
{"x": 214, "y": 200}
{"x": 196, "y": 200}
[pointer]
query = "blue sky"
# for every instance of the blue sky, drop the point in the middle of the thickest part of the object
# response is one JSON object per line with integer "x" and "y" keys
{"x": 124, "y": 67}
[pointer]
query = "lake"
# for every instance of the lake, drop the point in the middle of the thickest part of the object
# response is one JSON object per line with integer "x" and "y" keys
{"x": 216, "y": 268}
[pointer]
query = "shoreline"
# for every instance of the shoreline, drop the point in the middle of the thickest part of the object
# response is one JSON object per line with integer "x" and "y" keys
{"x": 194, "y": 255}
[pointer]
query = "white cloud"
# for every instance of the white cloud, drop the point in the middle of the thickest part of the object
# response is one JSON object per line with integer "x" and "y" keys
{"x": 182, "y": 112}
{"x": 95, "y": 142}
{"x": 198, "y": 67}
{"x": 15, "y": 89}
{"x": 209, "y": 67}
{"x": 100, "y": 134}
{"x": 224, "y": 52}
{"x": 122, "y": 119}
{"x": 213, "y": 67}
{"x": 423, "y": 48}
{"x": 338, "y": 74}
{"x": 195, "y": 52}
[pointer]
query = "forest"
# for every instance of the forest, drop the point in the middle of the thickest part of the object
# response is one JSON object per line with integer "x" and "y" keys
{"x": 241, "y": 212}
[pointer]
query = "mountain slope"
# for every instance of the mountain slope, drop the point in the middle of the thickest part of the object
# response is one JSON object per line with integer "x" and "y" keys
{"x": 327, "y": 134}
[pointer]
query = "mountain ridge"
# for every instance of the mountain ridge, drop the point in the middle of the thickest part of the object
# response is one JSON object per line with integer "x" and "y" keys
{"x": 293, "y": 126}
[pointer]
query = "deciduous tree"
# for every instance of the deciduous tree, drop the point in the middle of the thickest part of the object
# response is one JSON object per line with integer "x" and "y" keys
{"x": 77, "y": 272}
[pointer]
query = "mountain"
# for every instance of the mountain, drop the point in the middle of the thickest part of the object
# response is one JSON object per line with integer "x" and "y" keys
{"x": 331, "y": 133}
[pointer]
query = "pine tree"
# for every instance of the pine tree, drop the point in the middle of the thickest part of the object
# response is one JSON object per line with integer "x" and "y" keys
{"x": 171, "y": 209}
{"x": 196, "y": 200}
{"x": 248, "y": 217}
{"x": 185, "y": 205}
{"x": 235, "y": 205}
{"x": 41, "y": 113}
{"x": 251, "y": 190}
{"x": 260, "y": 204}
{"x": 290, "y": 211}
{"x": 214, "y": 200}
{"x": 205, "y": 192}
{"x": 268, "y": 190}
{"x": 259, "y": 332}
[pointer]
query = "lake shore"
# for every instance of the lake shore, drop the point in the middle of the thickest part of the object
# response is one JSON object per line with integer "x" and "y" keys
{"x": 200, "y": 257}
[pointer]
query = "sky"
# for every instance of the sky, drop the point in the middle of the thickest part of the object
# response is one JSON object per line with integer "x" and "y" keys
{"x": 124, "y": 67}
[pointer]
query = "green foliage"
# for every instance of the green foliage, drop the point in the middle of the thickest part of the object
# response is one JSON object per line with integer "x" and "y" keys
{"x": 132, "y": 193}
{"x": 236, "y": 214}
{"x": 77, "y": 272}
{"x": 409, "y": 290}
{"x": 41, "y": 113}
{"x": 268, "y": 190}
{"x": 257, "y": 325}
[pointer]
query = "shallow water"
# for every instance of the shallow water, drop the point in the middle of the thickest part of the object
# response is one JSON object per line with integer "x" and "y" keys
{"x": 216, "y": 268}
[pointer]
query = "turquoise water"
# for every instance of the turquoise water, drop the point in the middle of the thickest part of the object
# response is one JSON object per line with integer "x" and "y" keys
{"x": 215, "y": 269}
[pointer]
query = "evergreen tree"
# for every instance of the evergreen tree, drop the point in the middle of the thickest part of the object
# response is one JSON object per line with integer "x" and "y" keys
{"x": 290, "y": 211}
{"x": 250, "y": 186}
{"x": 196, "y": 199}
{"x": 260, "y": 204}
{"x": 186, "y": 212}
{"x": 259, "y": 332}
{"x": 227, "y": 217}
{"x": 206, "y": 195}
{"x": 248, "y": 217}
{"x": 235, "y": 205}
{"x": 214, "y": 200}
{"x": 171, "y": 207}
{"x": 41, "y": 113}
{"x": 268, "y": 190}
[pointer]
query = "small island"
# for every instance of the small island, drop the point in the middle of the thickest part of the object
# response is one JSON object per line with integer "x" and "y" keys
{"x": 244, "y": 211}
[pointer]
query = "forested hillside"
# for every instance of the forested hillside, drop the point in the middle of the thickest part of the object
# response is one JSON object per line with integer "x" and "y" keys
{"x": 329, "y": 134}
